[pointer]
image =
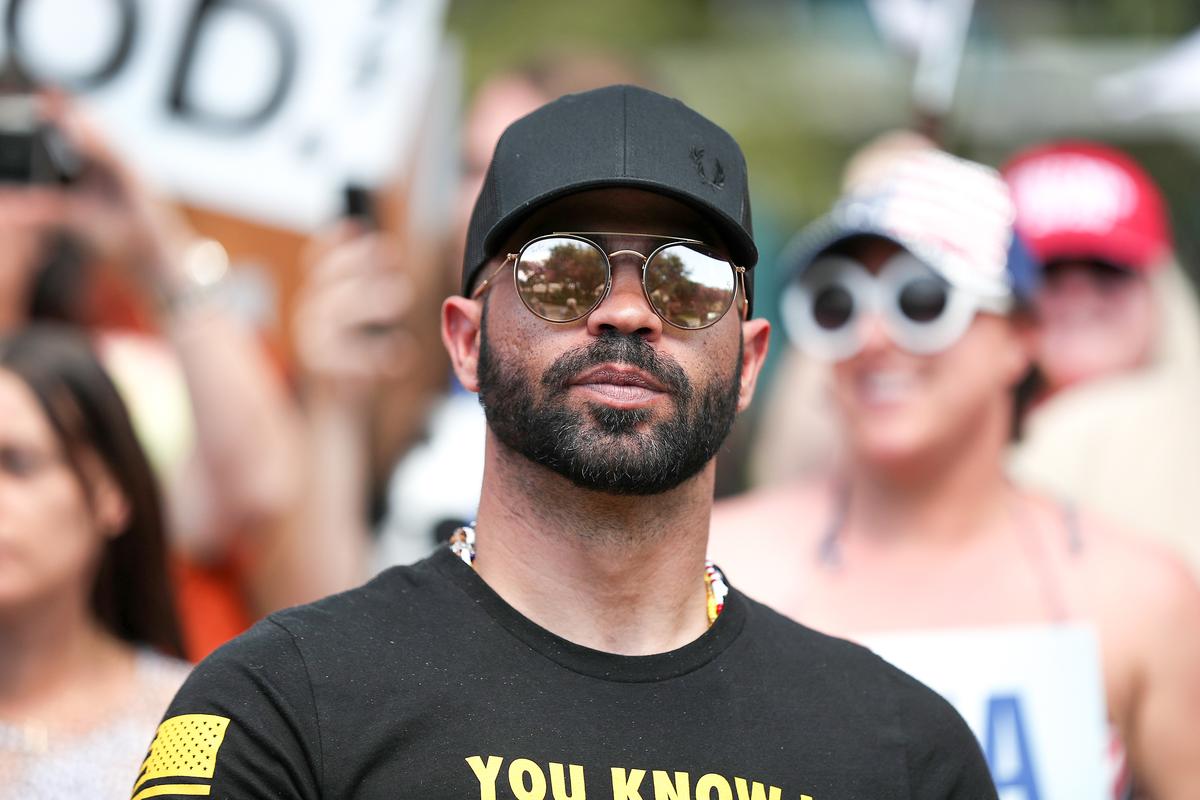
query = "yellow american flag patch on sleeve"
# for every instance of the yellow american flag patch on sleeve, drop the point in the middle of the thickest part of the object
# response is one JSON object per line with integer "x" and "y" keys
{"x": 184, "y": 747}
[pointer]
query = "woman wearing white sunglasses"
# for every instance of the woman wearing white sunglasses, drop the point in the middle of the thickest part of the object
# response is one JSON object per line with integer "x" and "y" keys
{"x": 1071, "y": 650}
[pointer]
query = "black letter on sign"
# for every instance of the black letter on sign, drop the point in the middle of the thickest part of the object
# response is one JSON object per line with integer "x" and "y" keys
{"x": 285, "y": 37}
{"x": 89, "y": 80}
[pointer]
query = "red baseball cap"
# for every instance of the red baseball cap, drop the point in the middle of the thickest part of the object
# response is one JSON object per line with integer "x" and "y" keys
{"x": 1081, "y": 200}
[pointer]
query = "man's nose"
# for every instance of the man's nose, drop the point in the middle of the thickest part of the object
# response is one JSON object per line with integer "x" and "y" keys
{"x": 626, "y": 309}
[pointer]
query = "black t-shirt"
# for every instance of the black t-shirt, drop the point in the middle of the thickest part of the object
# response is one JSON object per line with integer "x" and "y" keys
{"x": 425, "y": 684}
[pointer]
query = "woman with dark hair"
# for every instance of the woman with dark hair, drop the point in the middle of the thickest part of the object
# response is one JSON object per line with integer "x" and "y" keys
{"x": 89, "y": 642}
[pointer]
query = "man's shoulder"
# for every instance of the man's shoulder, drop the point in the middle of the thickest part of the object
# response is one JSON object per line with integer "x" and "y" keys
{"x": 398, "y": 597}
{"x": 842, "y": 667}
{"x": 783, "y": 632}
{"x": 798, "y": 645}
{"x": 400, "y": 600}
{"x": 851, "y": 692}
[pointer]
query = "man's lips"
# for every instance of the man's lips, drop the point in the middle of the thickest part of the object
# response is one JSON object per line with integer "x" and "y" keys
{"x": 620, "y": 385}
{"x": 617, "y": 375}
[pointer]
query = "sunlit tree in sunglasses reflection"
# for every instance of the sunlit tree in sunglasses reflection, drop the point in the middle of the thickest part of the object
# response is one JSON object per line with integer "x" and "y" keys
{"x": 565, "y": 283}
{"x": 682, "y": 295}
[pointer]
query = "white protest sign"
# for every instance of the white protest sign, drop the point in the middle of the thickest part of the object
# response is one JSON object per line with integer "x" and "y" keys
{"x": 258, "y": 108}
{"x": 1032, "y": 695}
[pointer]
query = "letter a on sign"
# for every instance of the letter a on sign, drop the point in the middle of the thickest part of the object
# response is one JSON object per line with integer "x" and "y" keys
{"x": 1008, "y": 749}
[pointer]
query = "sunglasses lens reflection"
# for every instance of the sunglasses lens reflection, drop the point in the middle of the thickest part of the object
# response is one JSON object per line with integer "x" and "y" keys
{"x": 689, "y": 286}
{"x": 923, "y": 299}
{"x": 561, "y": 279}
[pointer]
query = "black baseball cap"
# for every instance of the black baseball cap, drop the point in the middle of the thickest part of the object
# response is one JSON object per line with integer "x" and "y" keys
{"x": 617, "y": 136}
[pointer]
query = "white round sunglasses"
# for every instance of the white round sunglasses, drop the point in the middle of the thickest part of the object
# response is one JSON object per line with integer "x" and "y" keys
{"x": 921, "y": 311}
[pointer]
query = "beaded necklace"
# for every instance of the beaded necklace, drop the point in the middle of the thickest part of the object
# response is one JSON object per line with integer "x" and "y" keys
{"x": 462, "y": 544}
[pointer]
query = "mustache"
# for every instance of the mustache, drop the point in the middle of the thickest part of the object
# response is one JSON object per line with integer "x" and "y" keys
{"x": 613, "y": 347}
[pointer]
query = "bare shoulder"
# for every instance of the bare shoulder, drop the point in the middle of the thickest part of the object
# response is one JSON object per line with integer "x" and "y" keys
{"x": 1141, "y": 577}
{"x": 756, "y": 535}
{"x": 1150, "y": 617}
{"x": 1126, "y": 557}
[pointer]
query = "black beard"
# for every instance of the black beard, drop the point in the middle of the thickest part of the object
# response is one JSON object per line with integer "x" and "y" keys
{"x": 604, "y": 450}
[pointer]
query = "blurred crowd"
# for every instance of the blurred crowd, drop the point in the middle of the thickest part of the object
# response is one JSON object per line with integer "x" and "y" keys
{"x": 1007, "y": 354}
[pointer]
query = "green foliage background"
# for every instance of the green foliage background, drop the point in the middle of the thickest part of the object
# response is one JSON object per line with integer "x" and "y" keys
{"x": 767, "y": 69}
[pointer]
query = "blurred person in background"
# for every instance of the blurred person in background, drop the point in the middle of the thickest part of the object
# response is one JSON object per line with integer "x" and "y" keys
{"x": 207, "y": 401}
{"x": 1114, "y": 417}
{"x": 797, "y": 435}
{"x": 916, "y": 291}
{"x": 360, "y": 340}
{"x": 89, "y": 641}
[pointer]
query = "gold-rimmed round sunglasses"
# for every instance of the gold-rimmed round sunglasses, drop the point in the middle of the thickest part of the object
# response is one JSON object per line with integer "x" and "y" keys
{"x": 563, "y": 277}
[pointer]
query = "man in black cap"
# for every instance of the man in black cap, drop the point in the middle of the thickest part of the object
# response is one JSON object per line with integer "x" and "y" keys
{"x": 574, "y": 641}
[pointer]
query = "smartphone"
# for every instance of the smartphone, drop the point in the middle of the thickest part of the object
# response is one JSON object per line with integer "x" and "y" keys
{"x": 358, "y": 204}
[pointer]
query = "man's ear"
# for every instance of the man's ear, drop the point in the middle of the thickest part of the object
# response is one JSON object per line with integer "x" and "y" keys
{"x": 461, "y": 327}
{"x": 756, "y": 335}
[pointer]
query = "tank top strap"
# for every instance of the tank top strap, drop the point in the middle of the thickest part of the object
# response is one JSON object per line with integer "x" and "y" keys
{"x": 1069, "y": 512}
{"x": 829, "y": 546}
{"x": 1040, "y": 560}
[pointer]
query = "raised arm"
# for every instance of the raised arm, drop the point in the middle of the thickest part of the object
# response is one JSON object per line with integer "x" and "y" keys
{"x": 247, "y": 426}
{"x": 351, "y": 336}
